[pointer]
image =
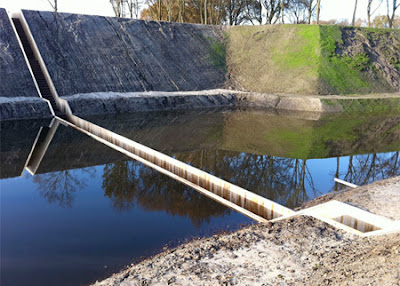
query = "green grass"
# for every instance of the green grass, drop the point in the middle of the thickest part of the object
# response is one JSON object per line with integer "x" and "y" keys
{"x": 341, "y": 74}
{"x": 217, "y": 53}
{"x": 301, "y": 52}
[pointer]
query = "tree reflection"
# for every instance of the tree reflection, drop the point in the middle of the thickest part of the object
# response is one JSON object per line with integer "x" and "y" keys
{"x": 59, "y": 187}
{"x": 284, "y": 180}
{"x": 120, "y": 182}
{"x": 287, "y": 181}
{"x": 129, "y": 183}
{"x": 365, "y": 169}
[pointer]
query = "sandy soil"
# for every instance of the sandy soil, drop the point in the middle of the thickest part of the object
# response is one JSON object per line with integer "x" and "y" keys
{"x": 299, "y": 251}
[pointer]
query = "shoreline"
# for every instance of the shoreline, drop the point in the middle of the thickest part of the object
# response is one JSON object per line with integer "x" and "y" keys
{"x": 103, "y": 103}
{"x": 113, "y": 103}
{"x": 297, "y": 251}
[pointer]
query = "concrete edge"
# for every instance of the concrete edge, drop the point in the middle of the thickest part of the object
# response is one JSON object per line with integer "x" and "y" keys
{"x": 112, "y": 102}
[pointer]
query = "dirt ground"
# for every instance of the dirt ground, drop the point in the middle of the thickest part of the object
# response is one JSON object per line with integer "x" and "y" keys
{"x": 298, "y": 251}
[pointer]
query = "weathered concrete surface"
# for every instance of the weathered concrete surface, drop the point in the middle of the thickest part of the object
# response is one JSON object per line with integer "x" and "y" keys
{"x": 15, "y": 77}
{"x": 18, "y": 95}
{"x": 86, "y": 54}
{"x": 117, "y": 102}
{"x": 23, "y": 108}
{"x": 110, "y": 103}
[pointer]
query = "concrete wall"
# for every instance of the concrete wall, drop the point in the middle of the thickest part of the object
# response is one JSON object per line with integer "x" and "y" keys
{"x": 18, "y": 95}
{"x": 86, "y": 54}
{"x": 15, "y": 77}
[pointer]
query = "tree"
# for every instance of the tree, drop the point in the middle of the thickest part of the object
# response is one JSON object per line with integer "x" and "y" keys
{"x": 354, "y": 14}
{"x": 134, "y": 8}
{"x": 272, "y": 10}
{"x": 392, "y": 17}
{"x": 382, "y": 22}
{"x": 235, "y": 12}
{"x": 53, "y": 5}
{"x": 188, "y": 11}
{"x": 359, "y": 23}
{"x": 370, "y": 12}
{"x": 253, "y": 11}
{"x": 282, "y": 7}
{"x": 318, "y": 9}
{"x": 126, "y": 8}
{"x": 301, "y": 11}
{"x": 117, "y": 7}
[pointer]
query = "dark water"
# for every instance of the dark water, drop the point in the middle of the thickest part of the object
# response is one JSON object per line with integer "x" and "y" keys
{"x": 89, "y": 210}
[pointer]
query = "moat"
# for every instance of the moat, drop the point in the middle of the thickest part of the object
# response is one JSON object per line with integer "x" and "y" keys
{"x": 89, "y": 210}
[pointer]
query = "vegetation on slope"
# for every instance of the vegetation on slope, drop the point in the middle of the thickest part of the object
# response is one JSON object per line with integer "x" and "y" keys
{"x": 353, "y": 59}
{"x": 271, "y": 59}
{"x": 304, "y": 59}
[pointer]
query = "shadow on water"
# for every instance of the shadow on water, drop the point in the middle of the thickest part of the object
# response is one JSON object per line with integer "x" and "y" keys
{"x": 88, "y": 206}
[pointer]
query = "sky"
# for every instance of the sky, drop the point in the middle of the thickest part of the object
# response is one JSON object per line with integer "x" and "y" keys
{"x": 330, "y": 9}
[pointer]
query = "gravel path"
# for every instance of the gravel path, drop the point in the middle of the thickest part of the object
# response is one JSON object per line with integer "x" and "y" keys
{"x": 298, "y": 251}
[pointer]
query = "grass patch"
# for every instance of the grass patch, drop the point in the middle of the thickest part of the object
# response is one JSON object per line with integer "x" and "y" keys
{"x": 302, "y": 52}
{"x": 217, "y": 53}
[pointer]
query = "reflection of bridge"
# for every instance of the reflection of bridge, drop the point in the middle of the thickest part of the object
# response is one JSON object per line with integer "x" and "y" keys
{"x": 239, "y": 199}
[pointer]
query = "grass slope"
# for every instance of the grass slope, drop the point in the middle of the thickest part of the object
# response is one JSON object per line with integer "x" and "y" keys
{"x": 311, "y": 59}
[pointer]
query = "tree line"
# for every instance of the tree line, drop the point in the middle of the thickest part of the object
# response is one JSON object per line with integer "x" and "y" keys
{"x": 255, "y": 12}
{"x": 251, "y": 12}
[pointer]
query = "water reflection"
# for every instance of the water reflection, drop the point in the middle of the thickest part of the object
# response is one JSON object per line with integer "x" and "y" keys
{"x": 287, "y": 181}
{"x": 295, "y": 135}
{"x": 365, "y": 169}
{"x": 130, "y": 183}
{"x": 59, "y": 187}
{"x": 219, "y": 134}
{"x": 88, "y": 203}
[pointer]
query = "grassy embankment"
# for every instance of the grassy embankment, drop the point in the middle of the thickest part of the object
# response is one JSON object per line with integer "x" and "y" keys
{"x": 310, "y": 59}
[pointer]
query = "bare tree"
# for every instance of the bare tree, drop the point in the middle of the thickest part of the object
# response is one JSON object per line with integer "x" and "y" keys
{"x": 369, "y": 9}
{"x": 126, "y": 8}
{"x": 318, "y": 10}
{"x": 282, "y": 4}
{"x": 311, "y": 8}
{"x": 272, "y": 10}
{"x": 391, "y": 18}
{"x": 205, "y": 12}
{"x": 53, "y": 5}
{"x": 134, "y": 8}
{"x": 300, "y": 11}
{"x": 159, "y": 14}
{"x": 234, "y": 12}
{"x": 117, "y": 7}
{"x": 354, "y": 14}
{"x": 254, "y": 11}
